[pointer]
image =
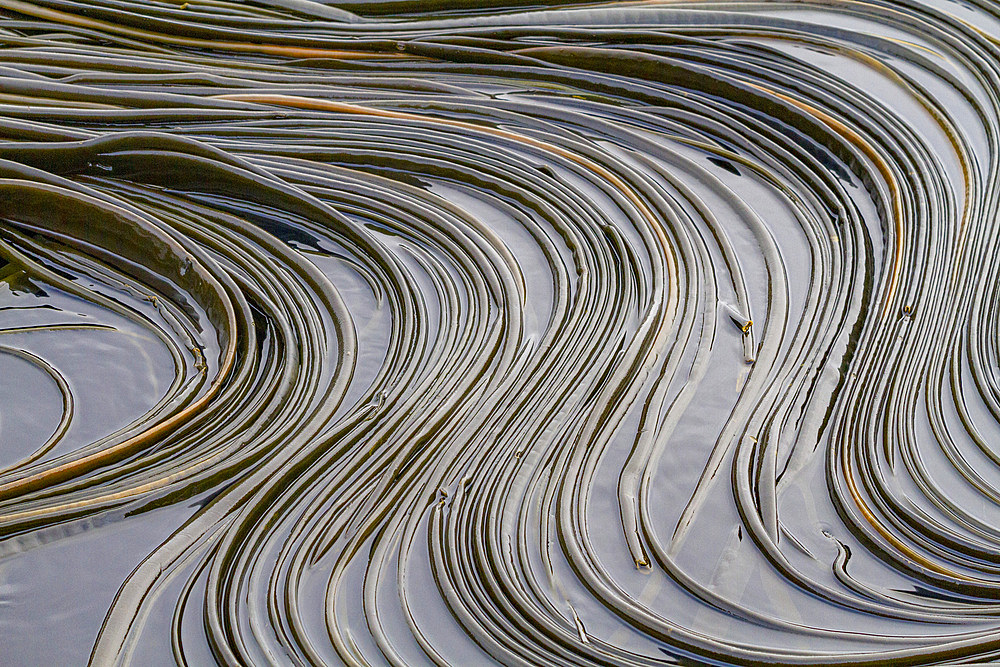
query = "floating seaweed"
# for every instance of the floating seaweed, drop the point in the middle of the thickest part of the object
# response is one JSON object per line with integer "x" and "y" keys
{"x": 402, "y": 332}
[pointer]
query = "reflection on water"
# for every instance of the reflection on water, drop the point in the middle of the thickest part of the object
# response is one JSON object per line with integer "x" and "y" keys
{"x": 445, "y": 333}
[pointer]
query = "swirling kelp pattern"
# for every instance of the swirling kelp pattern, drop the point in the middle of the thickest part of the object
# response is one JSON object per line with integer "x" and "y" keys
{"x": 446, "y": 333}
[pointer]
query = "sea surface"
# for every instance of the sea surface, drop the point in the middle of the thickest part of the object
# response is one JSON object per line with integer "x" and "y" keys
{"x": 471, "y": 332}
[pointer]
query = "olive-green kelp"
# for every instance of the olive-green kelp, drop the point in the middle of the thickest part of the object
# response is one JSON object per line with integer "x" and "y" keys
{"x": 449, "y": 332}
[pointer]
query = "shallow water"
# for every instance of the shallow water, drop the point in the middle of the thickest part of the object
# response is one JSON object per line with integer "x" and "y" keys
{"x": 442, "y": 333}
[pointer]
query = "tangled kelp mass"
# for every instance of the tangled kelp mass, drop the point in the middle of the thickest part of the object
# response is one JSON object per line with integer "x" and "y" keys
{"x": 447, "y": 333}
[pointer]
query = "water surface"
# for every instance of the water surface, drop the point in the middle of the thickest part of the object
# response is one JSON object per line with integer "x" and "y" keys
{"x": 403, "y": 332}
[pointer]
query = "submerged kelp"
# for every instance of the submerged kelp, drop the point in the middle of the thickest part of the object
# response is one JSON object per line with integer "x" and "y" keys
{"x": 446, "y": 333}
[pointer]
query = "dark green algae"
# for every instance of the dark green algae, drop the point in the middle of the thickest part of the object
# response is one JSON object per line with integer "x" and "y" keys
{"x": 544, "y": 334}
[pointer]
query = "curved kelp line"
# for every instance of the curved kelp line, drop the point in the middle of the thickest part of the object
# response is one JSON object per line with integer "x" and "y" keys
{"x": 618, "y": 333}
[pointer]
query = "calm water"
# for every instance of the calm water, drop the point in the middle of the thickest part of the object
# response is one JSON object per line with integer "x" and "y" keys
{"x": 455, "y": 333}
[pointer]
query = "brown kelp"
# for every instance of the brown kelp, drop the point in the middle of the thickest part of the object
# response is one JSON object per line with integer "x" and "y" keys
{"x": 449, "y": 332}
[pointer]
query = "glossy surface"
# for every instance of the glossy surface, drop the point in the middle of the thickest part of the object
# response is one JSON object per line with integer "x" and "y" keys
{"x": 443, "y": 333}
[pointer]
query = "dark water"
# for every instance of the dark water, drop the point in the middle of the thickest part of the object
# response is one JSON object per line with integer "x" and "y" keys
{"x": 456, "y": 333}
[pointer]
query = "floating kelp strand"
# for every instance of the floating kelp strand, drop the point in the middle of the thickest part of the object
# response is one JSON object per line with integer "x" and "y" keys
{"x": 67, "y": 406}
{"x": 218, "y": 39}
{"x": 144, "y": 577}
{"x": 490, "y": 252}
{"x": 33, "y": 196}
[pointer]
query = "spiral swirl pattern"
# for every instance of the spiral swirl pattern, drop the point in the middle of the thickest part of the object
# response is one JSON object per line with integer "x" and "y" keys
{"x": 402, "y": 332}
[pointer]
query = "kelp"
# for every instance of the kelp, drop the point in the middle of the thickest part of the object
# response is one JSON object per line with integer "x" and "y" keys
{"x": 628, "y": 333}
